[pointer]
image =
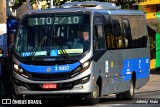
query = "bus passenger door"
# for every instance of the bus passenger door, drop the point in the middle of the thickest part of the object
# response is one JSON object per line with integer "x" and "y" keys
{"x": 114, "y": 65}
{"x": 114, "y": 55}
{"x": 99, "y": 46}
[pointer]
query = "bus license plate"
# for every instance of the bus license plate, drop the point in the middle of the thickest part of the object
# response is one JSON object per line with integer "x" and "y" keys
{"x": 49, "y": 86}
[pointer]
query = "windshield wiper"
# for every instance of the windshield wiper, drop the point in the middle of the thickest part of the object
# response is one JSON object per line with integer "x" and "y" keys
{"x": 39, "y": 46}
{"x": 62, "y": 50}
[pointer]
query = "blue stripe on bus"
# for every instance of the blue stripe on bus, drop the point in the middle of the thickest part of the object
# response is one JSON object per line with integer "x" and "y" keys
{"x": 140, "y": 65}
{"x": 50, "y": 69}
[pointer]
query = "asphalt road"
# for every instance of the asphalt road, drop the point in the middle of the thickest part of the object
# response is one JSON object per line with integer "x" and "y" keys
{"x": 144, "y": 99}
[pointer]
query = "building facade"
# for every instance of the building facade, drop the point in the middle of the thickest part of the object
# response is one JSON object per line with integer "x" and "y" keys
{"x": 152, "y": 11}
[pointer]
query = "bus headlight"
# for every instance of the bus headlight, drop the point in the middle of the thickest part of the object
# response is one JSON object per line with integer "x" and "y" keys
{"x": 20, "y": 71}
{"x": 16, "y": 67}
{"x": 81, "y": 68}
{"x": 85, "y": 65}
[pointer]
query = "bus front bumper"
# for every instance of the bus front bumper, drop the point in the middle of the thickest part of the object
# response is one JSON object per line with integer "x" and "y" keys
{"x": 23, "y": 86}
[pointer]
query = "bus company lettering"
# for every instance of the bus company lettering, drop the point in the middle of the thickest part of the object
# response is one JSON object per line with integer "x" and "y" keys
{"x": 34, "y": 102}
{"x": 26, "y": 101}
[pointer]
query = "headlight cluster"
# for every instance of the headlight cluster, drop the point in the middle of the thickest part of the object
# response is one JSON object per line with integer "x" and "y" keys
{"x": 84, "y": 80}
{"x": 81, "y": 68}
{"x": 85, "y": 65}
{"x": 20, "y": 71}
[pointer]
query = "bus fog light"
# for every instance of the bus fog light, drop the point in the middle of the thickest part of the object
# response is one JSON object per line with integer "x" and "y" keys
{"x": 24, "y": 75}
{"x": 85, "y": 79}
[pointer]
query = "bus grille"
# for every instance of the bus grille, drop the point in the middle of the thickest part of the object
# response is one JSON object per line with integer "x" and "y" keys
{"x": 49, "y": 77}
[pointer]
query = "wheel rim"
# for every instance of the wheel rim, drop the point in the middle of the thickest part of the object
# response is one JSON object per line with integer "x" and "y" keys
{"x": 131, "y": 88}
{"x": 96, "y": 92}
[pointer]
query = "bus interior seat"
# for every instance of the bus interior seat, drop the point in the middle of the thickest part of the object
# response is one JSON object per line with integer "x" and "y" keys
{"x": 126, "y": 42}
{"x": 119, "y": 42}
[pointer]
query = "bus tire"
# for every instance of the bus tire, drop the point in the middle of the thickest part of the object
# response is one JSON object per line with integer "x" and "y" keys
{"x": 93, "y": 98}
{"x": 120, "y": 96}
{"x": 130, "y": 93}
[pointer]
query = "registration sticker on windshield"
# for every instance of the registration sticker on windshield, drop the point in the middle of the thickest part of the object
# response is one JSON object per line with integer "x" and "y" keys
{"x": 71, "y": 51}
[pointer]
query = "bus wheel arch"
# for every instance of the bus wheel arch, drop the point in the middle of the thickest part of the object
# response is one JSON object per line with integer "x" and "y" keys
{"x": 134, "y": 78}
{"x": 99, "y": 83}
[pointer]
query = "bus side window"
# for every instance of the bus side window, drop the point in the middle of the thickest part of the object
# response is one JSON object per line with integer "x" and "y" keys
{"x": 119, "y": 41}
{"x": 109, "y": 40}
{"x": 125, "y": 42}
{"x": 117, "y": 33}
{"x": 126, "y": 33}
{"x": 113, "y": 32}
{"x": 113, "y": 41}
{"x": 109, "y": 33}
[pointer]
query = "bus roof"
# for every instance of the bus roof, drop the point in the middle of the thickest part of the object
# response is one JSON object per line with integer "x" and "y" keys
{"x": 92, "y": 6}
{"x": 109, "y": 12}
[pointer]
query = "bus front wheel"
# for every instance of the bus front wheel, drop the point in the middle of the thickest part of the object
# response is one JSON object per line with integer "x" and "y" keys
{"x": 93, "y": 97}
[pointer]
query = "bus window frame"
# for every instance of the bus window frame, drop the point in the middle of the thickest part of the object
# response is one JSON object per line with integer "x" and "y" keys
{"x": 95, "y": 34}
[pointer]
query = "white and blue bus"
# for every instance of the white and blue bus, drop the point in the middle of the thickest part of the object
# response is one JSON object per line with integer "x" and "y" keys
{"x": 50, "y": 56}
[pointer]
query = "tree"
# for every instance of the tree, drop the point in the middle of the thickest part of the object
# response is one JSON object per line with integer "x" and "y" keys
{"x": 125, "y": 4}
{"x": 3, "y": 26}
{"x": 3, "y": 11}
{"x": 18, "y": 3}
{"x": 158, "y": 27}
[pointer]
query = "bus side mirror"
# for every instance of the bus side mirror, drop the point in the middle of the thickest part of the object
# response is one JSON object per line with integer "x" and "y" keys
{"x": 1, "y": 52}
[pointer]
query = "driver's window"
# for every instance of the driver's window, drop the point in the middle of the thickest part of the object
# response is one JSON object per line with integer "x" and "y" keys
{"x": 99, "y": 39}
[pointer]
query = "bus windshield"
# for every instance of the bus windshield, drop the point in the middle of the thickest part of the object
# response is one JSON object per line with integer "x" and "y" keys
{"x": 52, "y": 35}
